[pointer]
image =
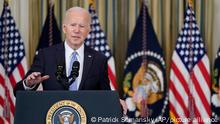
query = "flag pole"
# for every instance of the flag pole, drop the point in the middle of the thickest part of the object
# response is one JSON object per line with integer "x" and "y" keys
{"x": 51, "y": 5}
{"x": 191, "y": 56}
{"x": 144, "y": 108}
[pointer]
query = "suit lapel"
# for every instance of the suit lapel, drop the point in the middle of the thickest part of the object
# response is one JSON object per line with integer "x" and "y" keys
{"x": 60, "y": 56}
{"x": 88, "y": 57}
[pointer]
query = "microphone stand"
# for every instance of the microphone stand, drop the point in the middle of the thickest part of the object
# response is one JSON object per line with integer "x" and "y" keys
{"x": 65, "y": 80}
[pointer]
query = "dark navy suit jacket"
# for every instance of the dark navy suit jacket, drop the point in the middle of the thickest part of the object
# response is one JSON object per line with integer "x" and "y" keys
{"x": 94, "y": 76}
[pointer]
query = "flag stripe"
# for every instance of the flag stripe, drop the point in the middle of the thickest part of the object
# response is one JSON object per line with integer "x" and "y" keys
{"x": 173, "y": 110}
{"x": 199, "y": 108}
{"x": 112, "y": 78}
{"x": 2, "y": 95}
{"x": 111, "y": 73}
{"x": 24, "y": 65}
{"x": 204, "y": 71}
{"x": 1, "y": 79}
{"x": 16, "y": 76}
{"x": 176, "y": 83}
{"x": 9, "y": 88}
{"x": 201, "y": 97}
{"x": 11, "y": 101}
{"x": 180, "y": 76}
{"x": 1, "y": 120}
{"x": 2, "y": 89}
{"x": 5, "y": 121}
{"x": 12, "y": 106}
{"x": 12, "y": 80}
{"x": 196, "y": 106}
{"x": 178, "y": 98}
{"x": 10, "y": 91}
{"x": 1, "y": 101}
{"x": 179, "y": 64}
{"x": 178, "y": 105}
{"x": 197, "y": 115}
{"x": 12, "y": 118}
{"x": 21, "y": 70}
{"x": 199, "y": 81}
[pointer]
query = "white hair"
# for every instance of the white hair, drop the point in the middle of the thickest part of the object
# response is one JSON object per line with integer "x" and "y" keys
{"x": 77, "y": 9}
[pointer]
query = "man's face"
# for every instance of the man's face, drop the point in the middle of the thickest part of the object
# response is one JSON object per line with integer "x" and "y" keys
{"x": 76, "y": 27}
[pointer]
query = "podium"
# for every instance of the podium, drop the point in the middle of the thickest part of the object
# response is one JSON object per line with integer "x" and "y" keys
{"x": 57, "y": 107}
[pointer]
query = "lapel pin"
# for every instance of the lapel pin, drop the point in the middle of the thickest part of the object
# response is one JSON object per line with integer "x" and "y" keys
{"x": 89, "y": 56}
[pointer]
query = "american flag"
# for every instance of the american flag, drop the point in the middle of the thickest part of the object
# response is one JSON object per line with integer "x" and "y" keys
{"x": 13, "y": 64}
{"x": 189, "y": 83}
{"x": 98, "y": 41}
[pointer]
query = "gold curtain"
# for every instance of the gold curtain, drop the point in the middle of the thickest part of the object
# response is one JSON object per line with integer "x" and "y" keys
{"x": 34, "y": 28}
{"x": 118, "y": 18}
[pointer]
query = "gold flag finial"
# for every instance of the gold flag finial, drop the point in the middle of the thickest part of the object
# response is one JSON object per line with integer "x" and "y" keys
{"x": 6, "y": 1}
{"x": 92, "y": 3}
{"x": 190, "y": 2}
{"x": 51, "y": 2}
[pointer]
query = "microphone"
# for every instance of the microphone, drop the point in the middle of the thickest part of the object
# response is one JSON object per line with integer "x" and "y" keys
{"x": 59, "y": 72}
{"x": 61, "y": 77}
{"x": 75, "y": 71}
{"x": 66, "y": 81}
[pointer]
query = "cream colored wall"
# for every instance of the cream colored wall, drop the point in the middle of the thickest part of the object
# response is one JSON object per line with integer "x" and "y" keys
{"x": 216, "y": 27}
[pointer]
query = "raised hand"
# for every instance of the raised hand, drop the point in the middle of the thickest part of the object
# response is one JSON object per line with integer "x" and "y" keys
{"x": 35, "y": 78}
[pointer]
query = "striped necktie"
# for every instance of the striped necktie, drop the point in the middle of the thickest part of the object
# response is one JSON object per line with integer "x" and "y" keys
{"x": 73, "y": 86}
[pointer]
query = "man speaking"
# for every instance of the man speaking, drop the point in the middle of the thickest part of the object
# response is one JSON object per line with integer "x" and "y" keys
{"x": 70, "y": 65}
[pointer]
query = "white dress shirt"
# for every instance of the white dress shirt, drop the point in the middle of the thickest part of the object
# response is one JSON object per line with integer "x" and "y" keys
{"x": 80, "y": 58}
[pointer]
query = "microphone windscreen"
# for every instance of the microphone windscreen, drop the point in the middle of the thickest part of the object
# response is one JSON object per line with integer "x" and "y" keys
{"x": 59, "y": 68}
{"x": 75, "y": 66}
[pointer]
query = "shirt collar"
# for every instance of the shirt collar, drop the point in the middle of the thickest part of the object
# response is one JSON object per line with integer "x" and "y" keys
{"x": 69, "y": 50}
